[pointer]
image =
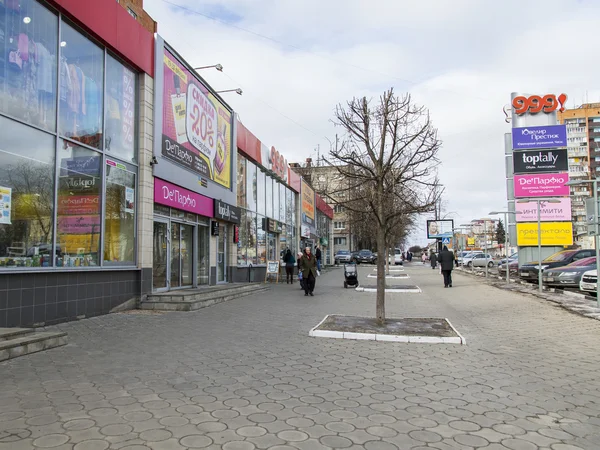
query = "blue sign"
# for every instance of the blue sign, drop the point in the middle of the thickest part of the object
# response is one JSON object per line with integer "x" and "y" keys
{"x": 549, "y": 136}
{"x": 446, "y": 241}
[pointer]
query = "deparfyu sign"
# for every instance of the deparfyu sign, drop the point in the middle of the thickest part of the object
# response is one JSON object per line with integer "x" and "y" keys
{"x": 536, "y": 103}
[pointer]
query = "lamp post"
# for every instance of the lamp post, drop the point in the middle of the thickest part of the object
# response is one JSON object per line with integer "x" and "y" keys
{"x": 594, "y": 183}
{"x": 238, "y": 91}
{"x": 506, "y": 243}
{"x": 539, "y": 233}
{"x": 219, "y": 67}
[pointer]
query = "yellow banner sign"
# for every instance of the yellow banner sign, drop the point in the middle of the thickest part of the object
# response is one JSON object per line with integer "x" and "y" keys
{"x": 553, "y": 233}
{"x": 308, "y": 204}
{"x": 470, "y": 242}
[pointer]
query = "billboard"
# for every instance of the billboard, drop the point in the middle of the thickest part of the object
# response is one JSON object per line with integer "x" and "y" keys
{"x": 542, "y": 185}
{"x": 438, "y": 229}
{"x": 549, "y": 212}
{"x": 553, "y": 234}
{"x": 197, "y": 128}
{"x": 308, "y": 204}
{"x": 536, "y": 161}
{"x": 548, "y": 136}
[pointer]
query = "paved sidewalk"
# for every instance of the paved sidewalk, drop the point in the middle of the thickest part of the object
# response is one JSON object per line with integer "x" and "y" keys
{"x": 244, "y": 375}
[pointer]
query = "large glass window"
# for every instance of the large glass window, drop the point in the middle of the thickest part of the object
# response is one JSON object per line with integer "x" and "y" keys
{"x": 78, "y": 219}
{"x": 203, "y": 253}
{"x": 260, "y": 192}
{"x": 261, "y": 241}
{"x": 251, "y": 186}
{"x": 241, "y": 181}
{"x": 81, "y": 67}
{"x": 268, "y": 196}
{"x": 119, "y": 224}
{"x": 251, "y": 255}
{"x": 272, "y": 247}
{"x": 26, "y": 196}
{"x": 282, "y": 202}
{"x": 242, "y": 239}
{"x": 275, "y": 200}
{"x": 288, "y": 205}
{"x": 28, "y": 43}
{"x": 119, "y": 138}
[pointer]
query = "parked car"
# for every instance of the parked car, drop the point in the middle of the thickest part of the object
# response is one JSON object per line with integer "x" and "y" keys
{"x": 513, "y": 267}
{"x": 529, "y": 271}
{"x": 569, "y": 275}
{"x": 513, "y": 257}
{"x": 342, "y": 256}
{"x": 481, "y": 260}
{"x": 469, "y": 257}
{"x": 365, "y": 256}
{"x": 397, "y": 260}
{"x": 588, "y": 282}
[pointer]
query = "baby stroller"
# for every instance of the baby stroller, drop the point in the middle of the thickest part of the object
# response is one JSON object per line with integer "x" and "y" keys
{"x": 350, "y": 275}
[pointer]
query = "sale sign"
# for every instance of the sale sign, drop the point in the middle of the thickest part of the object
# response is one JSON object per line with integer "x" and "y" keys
{"x": 197, "y": 126}
{"x": 549, "y": 212}
{"x": 542, "y": 185}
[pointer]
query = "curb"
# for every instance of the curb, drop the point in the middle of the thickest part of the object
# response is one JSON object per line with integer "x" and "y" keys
{"x": 399, "y": 291}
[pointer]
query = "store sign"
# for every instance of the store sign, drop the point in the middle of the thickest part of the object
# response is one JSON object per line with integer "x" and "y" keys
{"x": 553, "y": 234}
{"x": 174, "y": 196}
{"x": 78, "y": 224}
{"x": 197, "y": 127}
{"x": 439, "y": 229}
{"x": 549, "y": 136}
{"x": 305, "y": 231}
{"x": 71, "y": 205}
{"x": 225, "y": 211}
{"x": 308, "y": 203}
{"x": 272, "y": 226}
{"x": 278, "y": 164}
{"x": 549, "y": 212}
{"x": 540, "y": 161}
{"x": 214, "y": 228}
{"x": 236, "y": 235}
{"x": 535, "y": 104}
{"x": 79, "y": 183}
{"x": 82, "y": 165}
{"x": 542, "y": 185}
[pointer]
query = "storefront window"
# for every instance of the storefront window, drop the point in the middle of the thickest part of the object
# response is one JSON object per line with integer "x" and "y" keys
{"x": 119, "y": 138}
{"x": 241, "y": 182}
{"x": 242, "y": 238}
{"x": 251, "y": 186}
{"x": 283, "y": 242}
{"x": 276, "y": 200}
{"x": 81, "y": 67}
{"x": 294, "y": 195}
{"x": 272, "y": 247}
{"x": 203, "y": 254}
{"x": 282, "y": 202}
{"x": 269, "y": 196}
{"x": 26, "y": 196}
{"x": 260, "y": 192}
{"x": 28, "y": 43}
{"x": 79, "y": 200}
{"x": 119, "y": 223}
{"x": 261, "y": 241}
{"x": 252, "y": 238}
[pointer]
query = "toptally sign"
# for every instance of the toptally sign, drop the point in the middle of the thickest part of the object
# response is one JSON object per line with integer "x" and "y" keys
{"x": 548, "y": 136}
{"x": 225, "y": 211}
{"x": 532, "y": 161}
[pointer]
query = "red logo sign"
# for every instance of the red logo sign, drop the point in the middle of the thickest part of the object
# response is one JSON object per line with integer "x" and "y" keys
{"x": 278, "y": 164}
{"x": 236, "y": 235}
{"x": 536, "y": 103}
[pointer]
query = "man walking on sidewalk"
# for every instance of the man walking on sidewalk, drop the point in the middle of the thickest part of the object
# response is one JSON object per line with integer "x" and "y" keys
{"x": 318, "y": 256}
{"x": 446, "y": 260}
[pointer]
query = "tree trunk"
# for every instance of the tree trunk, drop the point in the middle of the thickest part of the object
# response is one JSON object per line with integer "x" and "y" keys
{"x": 380, "y": 308}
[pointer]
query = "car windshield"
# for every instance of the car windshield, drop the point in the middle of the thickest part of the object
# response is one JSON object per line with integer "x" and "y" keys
{"x": 560, "y": 256}
{"x": 591, "y": 261}
{"x": 343, "y": 252}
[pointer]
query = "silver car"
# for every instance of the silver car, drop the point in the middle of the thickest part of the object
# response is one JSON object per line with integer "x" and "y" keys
{"x": 481, "y": 260}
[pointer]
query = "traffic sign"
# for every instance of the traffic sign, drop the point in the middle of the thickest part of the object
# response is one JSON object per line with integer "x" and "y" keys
{"x": 445, "y": 241}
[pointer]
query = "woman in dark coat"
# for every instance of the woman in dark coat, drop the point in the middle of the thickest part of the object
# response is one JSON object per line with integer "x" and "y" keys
{"x": 432, "y": 259}
{"x": 308, "y": 265}
{"x": 290, "y": 262}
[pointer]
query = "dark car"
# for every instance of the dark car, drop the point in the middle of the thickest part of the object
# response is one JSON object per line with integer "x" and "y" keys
{"x": 513, "y": 267}
{"x": 570, "y": 275}
{"x": 511, "y": 258}
{"x": 364, "y": 256}
{"x": 529, "y": 271}
{"x": 342, "y": 256}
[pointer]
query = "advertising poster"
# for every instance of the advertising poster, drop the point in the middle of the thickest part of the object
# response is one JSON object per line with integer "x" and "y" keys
{"x": 308, "y": 204}
{"x": 197, "y": 128}
{"x": 129, "y": 200}
{"x": 540, "y": 161}
{"x": 5, "y": 204}
{"x": 548, "y": 136}
{"x": 542, "y": 185}
{"x": 553, "y": 234}
{"x": 439, "y": 229}
{"x": 549, "y": 212}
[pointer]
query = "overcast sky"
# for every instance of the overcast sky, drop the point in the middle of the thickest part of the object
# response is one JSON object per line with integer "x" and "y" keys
{"x": 295, "y": 60}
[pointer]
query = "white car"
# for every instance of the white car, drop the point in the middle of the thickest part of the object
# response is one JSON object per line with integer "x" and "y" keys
{"x": 481, "y": 260}
{"x": 588, "y": 282}
{"x": 468, "y": 257}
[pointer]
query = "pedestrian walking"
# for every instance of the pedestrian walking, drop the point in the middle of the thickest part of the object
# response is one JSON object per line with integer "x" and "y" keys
{"x": 308, "y": 264}
{"x": 446, "y": 259}
{"x": 432, "y": 259}
{"x": 290, "y": 262}
{"x": 424, "y": 257}
{"x": 318, "y": 256}
{"x": 300, "y": 278}
{"x": 455, "y": 258}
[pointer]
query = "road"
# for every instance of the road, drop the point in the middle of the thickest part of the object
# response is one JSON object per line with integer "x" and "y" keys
{"x": 244, "y": 375}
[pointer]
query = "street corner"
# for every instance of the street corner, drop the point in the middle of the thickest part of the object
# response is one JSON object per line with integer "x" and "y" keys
{"x": 398, "y": 330}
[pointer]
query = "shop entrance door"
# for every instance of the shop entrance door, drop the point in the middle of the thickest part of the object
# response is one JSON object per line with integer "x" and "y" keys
{"x": 222, "y": 254}
{"x": 160, "y": 263}
{"x": 182, "y": 255}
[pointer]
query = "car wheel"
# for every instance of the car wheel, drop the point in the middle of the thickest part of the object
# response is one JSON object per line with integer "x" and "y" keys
{"x": 345, "y": 285}
{"x": 491, "y": 264}
{"x": 375, "y": 261}
{"x": 469, "y": 264}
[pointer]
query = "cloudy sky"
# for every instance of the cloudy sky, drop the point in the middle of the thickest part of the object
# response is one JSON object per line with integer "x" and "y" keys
{"x": 296, "y": 60}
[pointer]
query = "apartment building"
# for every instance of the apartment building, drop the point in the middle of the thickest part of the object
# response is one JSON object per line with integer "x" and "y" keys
{"x": 135, "y": 8}
{"x": 583, "y": 131}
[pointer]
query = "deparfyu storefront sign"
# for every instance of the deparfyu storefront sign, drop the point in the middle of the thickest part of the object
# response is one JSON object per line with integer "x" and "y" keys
{"x": 227, "y": 212}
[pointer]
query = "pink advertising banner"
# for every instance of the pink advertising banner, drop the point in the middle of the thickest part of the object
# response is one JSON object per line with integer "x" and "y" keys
{"x": 541, "y": 185}
{"x": 78, "y": 224}
{"x": 549, "y": 212}
{"x": 174, "y": 196}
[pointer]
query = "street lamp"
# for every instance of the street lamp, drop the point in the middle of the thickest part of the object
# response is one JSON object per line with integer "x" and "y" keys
{"x": 539, "y": 233}
{"x": 595, "y": 188}
{"x": 238, "y": 91}
{"x": 506, "y": 231}
{"x": 219, "y": 67}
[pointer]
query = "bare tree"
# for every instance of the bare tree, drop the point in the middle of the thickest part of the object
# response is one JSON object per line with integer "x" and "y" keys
{"x": 388, "y": 158}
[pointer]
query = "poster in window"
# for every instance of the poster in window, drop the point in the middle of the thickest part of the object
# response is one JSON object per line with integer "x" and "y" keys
{"x": 129, "y": 200}
{"x": 5, "y": 204}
